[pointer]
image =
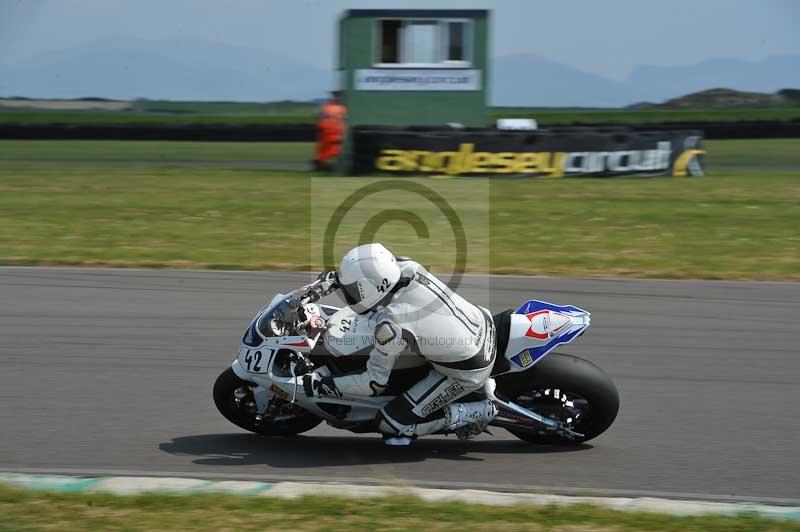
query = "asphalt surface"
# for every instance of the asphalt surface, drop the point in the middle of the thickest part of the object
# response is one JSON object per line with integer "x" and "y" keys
{"x": 105, "y": 371}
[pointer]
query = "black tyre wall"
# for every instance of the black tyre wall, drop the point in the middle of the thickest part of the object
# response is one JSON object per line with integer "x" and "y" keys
{"x": 571, "y": 373}
{"x": 224, "y": 386}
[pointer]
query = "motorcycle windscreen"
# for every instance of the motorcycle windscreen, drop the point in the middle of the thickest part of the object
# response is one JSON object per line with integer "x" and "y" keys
{"x": 537, "y": 327}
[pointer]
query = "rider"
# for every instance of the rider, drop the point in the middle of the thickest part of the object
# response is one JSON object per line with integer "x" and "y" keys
{"x": 415, "y": 312}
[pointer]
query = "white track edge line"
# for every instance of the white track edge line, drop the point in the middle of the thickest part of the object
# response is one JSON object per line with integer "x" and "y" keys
{"x": 421, "y": 483}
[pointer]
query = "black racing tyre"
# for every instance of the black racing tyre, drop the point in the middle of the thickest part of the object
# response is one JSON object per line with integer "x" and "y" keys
{"x": 567, "y": 388}
{"x": 243, "y": 416}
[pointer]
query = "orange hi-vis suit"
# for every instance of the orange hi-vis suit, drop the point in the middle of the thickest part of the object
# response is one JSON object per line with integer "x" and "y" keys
{"x": 330, "y": 132}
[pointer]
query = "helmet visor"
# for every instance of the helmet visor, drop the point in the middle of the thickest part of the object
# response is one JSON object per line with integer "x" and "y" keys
{"x": 350, "y": 291}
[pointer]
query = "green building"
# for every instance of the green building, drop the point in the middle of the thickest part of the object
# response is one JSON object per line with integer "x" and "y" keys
{"x": 402, "y": 67}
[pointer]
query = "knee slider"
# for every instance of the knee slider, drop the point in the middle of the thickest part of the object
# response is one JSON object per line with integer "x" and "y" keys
{"x": 385, "y": 426}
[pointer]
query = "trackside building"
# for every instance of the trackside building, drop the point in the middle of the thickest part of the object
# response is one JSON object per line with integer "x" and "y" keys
{"x": 401, "y": 67}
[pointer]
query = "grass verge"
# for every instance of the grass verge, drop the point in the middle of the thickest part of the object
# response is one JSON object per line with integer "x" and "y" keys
{"x": 727, "y": 154}
{"x": 548, "y": 116}
{"x": 220, "y": 113}
{"x": 36, "y": 510}
{"x": 147, "y": 150}
{"x": 741, "y": 222}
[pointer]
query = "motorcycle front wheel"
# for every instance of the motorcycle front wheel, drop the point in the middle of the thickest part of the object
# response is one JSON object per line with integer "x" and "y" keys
{"x": 567, "y": 388}
{"x": 234, "y": 400}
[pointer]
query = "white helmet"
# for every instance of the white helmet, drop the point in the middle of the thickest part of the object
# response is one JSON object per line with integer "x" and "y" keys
{"x": 366, "y": 275}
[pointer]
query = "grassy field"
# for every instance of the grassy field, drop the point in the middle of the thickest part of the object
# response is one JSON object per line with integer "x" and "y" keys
{"x": 198, "y": 113}
{"x": 548, "y": 116}
{"x": 226, "y": 108}
{"x": 32, "y": 510}
{"x": 103, "y": 118}
{"x": 169, "y": 113}
{"x": 146, "y": 150}
{"x": 722, "y": 154}
{"x": 740, "y": 222}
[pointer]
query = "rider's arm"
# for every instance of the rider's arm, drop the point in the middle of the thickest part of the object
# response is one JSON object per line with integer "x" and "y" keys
{"x": 389, "y": 344}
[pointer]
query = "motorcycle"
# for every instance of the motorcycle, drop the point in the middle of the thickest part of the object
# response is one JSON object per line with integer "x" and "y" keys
{"x": 542, "y": 397}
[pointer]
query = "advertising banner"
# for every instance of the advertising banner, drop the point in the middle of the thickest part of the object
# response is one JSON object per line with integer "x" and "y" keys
{"x": 551, "y": 154}
{"x": 423, "y": 79}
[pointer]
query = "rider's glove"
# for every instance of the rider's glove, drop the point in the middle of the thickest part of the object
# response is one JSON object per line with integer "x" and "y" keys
{"x": 316, "y": 385}
{"x": 327, "y": 277}
{"x": 317, "y": 324}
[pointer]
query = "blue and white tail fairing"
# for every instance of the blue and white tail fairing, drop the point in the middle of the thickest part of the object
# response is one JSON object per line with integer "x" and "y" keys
{"x": 537, "y": 327}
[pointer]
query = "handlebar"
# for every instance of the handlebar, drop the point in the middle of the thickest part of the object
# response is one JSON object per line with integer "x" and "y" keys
{"x": 325, "y": 284}
{"x": 288, "y": 310}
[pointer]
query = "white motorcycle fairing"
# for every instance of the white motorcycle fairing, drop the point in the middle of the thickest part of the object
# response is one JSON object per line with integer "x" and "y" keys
{"x": 266, "y": 361}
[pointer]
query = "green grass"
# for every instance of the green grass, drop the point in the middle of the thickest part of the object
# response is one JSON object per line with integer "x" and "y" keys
{"x": 103, "y": 118}
{"x": 34, "y": 510}
{"x": 545, "y": 116}
{"x": 767, "y": 154}
{"x": 157, "y": 113}
{"x": 729, "y": 153}
{"x": 740, "y": 222}
{"x": 227, "y": 108}
{"x": 734, "y": 225}
{"x": 145, "y": 150}
{"x": 232, "y": 113}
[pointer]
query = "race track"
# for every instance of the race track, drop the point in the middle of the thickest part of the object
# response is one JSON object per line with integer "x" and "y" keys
{"x": 105, "y": 371}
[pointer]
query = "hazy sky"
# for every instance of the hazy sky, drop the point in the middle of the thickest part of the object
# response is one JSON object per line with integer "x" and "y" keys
{"x": 603, "y": 37}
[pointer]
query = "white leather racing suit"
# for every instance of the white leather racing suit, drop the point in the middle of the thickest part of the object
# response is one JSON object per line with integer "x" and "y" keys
{"x": 424, "y": 317}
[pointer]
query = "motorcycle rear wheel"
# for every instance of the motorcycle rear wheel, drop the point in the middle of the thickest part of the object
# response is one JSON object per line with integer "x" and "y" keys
{"x": 242, "y": 415}
{"x": 567, "y": 388}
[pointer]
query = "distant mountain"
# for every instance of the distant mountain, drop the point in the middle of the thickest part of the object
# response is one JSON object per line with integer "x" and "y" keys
{"x": 534, "y": 81}
{"x": 655, "y": 83}
{"x": 180, "y": 70}
{"x": 531, "y": 80}
{"x": 726, "y": 98}
{"x": 205, "y": 70}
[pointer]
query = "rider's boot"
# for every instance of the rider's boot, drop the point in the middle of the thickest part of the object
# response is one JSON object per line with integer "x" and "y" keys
{"x": 470, "y": 419}
{"x": 465, "y": 419}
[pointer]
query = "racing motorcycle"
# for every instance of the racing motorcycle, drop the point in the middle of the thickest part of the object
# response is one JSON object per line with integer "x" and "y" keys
{"x": 542, "y": 397}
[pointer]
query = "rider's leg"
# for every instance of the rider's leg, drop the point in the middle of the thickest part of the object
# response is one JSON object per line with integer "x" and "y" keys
{"x": 429, "y": 405}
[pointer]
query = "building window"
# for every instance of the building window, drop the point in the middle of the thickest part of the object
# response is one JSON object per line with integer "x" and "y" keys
{"x": 455, "y": 42}
{"x": 419, "y": 42}
{"x": 390, "y": 39}
{"x": 423, "y": 42}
